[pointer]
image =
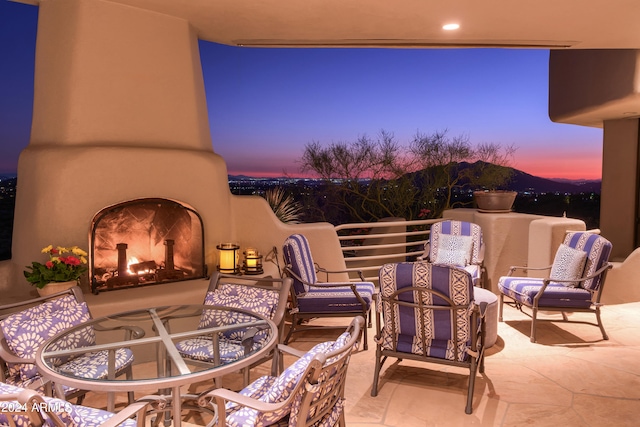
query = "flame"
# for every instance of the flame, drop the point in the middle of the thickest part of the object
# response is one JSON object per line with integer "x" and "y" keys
{"x": 132, "y": 260}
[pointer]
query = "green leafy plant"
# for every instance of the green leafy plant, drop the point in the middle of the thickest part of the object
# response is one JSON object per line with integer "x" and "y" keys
{"x": 64, "y": 264}
{"x": 283, "y": 205}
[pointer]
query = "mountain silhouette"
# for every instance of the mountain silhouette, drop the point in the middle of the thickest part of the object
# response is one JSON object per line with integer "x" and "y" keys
{"x": 522, "y": 181}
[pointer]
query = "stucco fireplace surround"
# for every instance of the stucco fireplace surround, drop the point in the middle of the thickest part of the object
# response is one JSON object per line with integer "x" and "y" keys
{"x": 120, "y": 114}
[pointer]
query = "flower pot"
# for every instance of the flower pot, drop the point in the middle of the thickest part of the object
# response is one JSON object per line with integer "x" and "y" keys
{"x": 55, "y": 287}
{"x": 496, "y": 201}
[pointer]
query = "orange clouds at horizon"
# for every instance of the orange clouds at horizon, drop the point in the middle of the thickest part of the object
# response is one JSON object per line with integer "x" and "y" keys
{"x": 566, "y": 167}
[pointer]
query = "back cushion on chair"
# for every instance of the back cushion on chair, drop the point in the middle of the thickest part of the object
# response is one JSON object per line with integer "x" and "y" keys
{"x": 26, "y": 331}
{"x": 598, "y": 250}
{"x": 297, "y": 255}
{"x": 273, "y": 390}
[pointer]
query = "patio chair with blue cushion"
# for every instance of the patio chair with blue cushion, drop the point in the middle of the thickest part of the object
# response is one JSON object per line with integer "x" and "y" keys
{"x": 311, "y": 298}
{"x": 265, "y": 296}
{"x": 25, "y": 407}
{"x": 574, "y": 284}
{"x": 457, "y": 243}
{"x": 426, "y": 312}
{"x": 310, "y": 392}
{"x": 26, "y": 325}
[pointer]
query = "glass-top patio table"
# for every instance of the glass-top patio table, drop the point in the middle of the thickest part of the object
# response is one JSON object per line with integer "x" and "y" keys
{"x": 151, "y": 335}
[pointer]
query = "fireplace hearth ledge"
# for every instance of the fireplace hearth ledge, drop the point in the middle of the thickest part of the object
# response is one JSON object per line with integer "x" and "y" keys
{"x": 176, "y": 293}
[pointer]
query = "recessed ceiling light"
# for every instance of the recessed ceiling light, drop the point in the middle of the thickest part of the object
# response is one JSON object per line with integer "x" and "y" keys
{"x": 450, "y": 27}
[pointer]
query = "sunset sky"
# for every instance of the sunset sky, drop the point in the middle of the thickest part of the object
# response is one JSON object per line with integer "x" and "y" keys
{"x": 266, "y": 104}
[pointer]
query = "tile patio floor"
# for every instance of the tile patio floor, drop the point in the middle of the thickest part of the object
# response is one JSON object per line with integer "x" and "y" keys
{"x": 571, "y": 377}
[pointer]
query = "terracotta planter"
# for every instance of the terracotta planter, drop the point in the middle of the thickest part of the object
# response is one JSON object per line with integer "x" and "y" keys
{"x": 496, "y": 201}
{"x": 55, "y": 287}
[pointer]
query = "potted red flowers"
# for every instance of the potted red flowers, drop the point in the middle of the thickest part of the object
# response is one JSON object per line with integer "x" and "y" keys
{"x": 60, "y": 272}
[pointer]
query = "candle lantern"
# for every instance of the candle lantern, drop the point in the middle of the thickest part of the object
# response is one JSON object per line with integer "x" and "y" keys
{"x": 228, "y": 258}
{"x": 252, "y": 262}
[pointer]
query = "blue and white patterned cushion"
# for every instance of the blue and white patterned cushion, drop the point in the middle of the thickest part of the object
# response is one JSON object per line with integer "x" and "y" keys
{"x": 272, "y": 390}
{"x": 403, "y": 335}
{"x": 201, "y": 348}
{"x": 26, "y": 331}
{"x": 71, "y": 415}
{"x": 13, "y": 374}
{"x": 329, "y": 300}
{"x": 297, "y": 255}
{"x": 258, "y": 300}
{"x": 568, "y": 264}
{"x": 524, "y": 289}
{"x": 323, "y": 387}
{"x": 598, "y": 250}
{"x": 96, "y": 365}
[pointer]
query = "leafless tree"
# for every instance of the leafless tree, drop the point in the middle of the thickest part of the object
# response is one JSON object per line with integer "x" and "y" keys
{"x": 376, "y": 178}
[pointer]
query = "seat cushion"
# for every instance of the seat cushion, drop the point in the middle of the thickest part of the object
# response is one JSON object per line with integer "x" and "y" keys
{"x": 201, "y": 348}
{"x": 96, "y": 365}
{"x": 439, "y": 348}
{"x": 326, "y": 300}
{"x": 524, "y": 289}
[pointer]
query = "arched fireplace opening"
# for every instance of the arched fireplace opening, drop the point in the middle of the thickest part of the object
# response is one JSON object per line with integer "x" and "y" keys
{"x": 145, "y": 241}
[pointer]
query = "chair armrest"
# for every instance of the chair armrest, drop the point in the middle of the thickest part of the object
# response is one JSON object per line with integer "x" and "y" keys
{"x": 320, "y": 284}
{"x": 425, "y": 252}
{"x": 283, "y": 348}
{"x": 328, "y": 272}
{"x": 482, "y": 308}
{"x": 218, "y": 397}
{"x": 582, "y": 279}
{"x": 22, "y": 398}
{"x": 513, "y": 268}
{"x": 332, "y": 284}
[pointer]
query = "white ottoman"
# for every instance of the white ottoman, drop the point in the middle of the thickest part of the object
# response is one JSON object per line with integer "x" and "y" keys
{"x": 491, "y": 315}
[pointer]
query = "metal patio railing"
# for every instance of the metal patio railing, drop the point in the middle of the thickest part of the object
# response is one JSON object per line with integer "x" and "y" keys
{"x": 368, "y": 246}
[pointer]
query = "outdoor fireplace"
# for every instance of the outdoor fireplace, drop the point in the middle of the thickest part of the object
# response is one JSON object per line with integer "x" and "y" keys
{"x": 143, "y": 242}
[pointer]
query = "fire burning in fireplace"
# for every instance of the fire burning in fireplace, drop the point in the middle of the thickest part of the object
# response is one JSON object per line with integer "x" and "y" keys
{"x": 146, "y": 241}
